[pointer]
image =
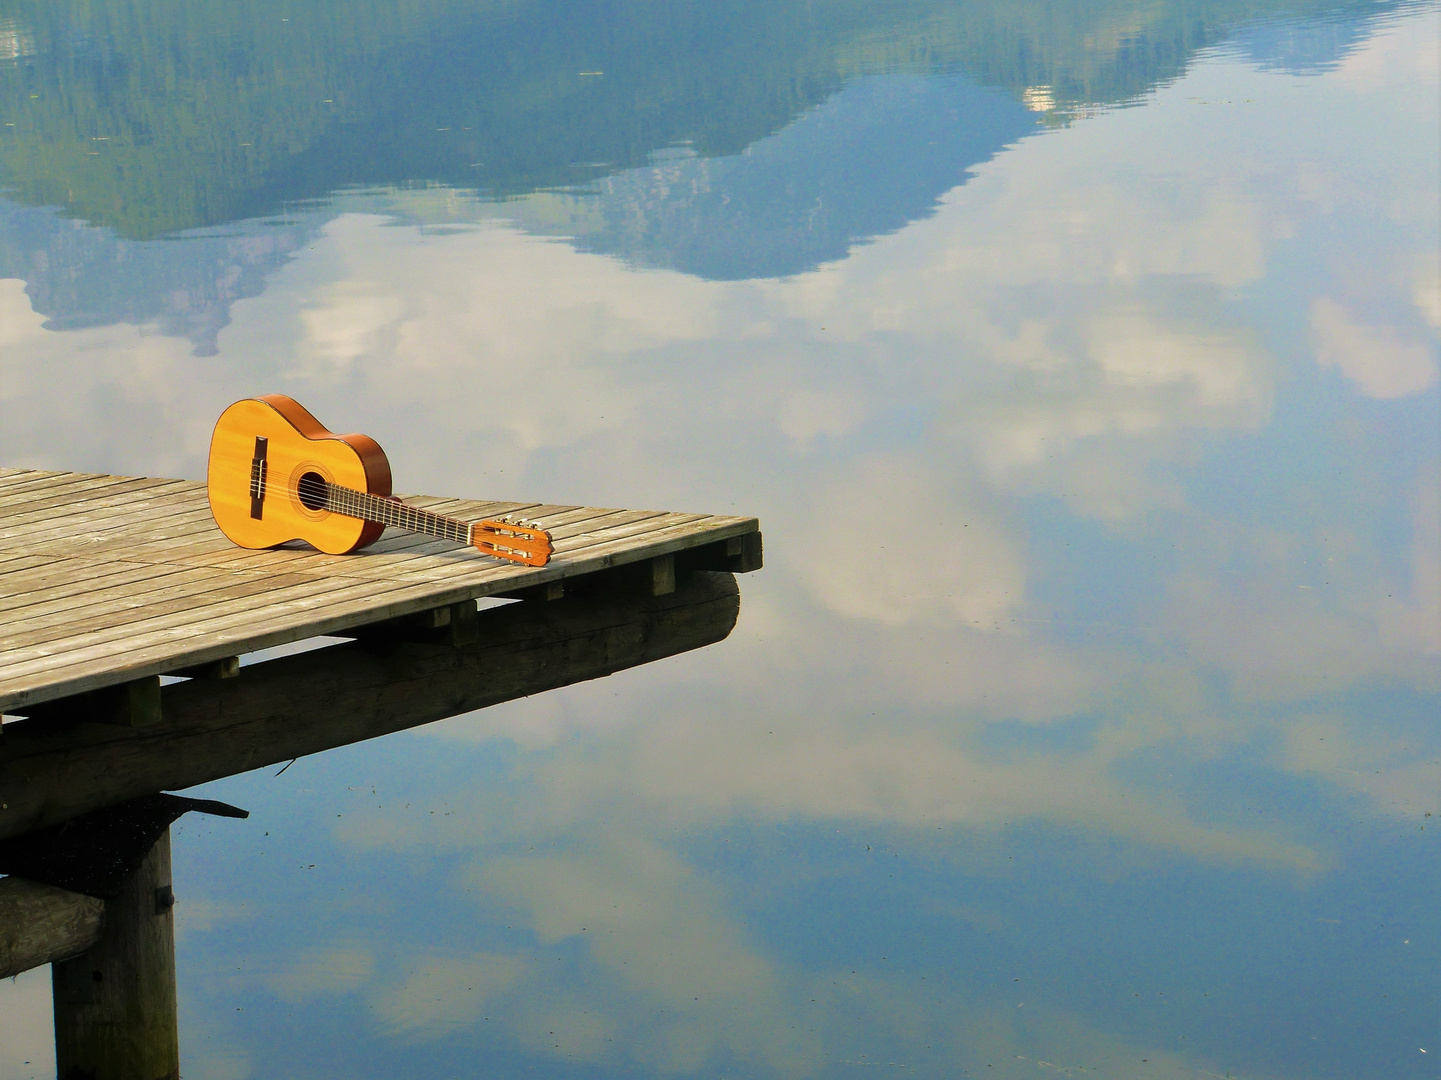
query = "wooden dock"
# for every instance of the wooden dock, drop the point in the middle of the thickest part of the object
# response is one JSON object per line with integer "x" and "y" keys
{"x": 110, "y": 580}
{"x": 109, "y": 583}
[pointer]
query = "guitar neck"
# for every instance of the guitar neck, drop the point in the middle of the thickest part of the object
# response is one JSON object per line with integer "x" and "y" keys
{"x": 386, "y": 511}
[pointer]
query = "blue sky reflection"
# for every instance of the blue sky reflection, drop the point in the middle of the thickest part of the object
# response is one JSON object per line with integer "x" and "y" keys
{"x": 1082, "y": 719}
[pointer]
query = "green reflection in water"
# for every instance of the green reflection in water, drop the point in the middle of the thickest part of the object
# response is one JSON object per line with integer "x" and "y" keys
{"x": 156, "y": 118}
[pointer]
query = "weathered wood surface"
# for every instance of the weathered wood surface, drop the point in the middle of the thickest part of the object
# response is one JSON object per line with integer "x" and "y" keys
{"x": 51, "y": 771}
{"x": 105, "y": 579}
{"x": 40, "y": 924}
{"x": 115, "y": 1003}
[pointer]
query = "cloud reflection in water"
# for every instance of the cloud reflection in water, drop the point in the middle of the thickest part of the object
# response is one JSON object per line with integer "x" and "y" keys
{"x": 1096, "y": 656}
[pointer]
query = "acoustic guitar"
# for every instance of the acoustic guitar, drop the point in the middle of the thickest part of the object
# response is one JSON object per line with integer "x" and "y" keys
{"x": 277, "y": 475}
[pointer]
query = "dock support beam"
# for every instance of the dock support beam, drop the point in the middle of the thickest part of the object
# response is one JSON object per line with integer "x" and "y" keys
{"x": 40, "y": 924}
{"x": 115, "y": 1004}
{"x": 297, "y": 705}
{"x": 662, "y": 575}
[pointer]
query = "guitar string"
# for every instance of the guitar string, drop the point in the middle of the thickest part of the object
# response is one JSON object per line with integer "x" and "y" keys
{"x": 393, "y": 512}
{"x": 367, "y": 506}
{"x": 358, "y": 504}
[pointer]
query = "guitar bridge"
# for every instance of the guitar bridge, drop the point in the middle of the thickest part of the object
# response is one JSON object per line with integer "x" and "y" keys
{"x": 258, "y": 470}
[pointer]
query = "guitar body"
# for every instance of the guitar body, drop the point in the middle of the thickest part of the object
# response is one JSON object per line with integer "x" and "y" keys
{"x": 279, "y": 435}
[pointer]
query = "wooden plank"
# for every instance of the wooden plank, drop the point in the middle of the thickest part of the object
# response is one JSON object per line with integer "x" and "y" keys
{"x": 9, "y": 473}
{"x": 115, "y": 545}
{"x": 41, "y": 481}
{"x": 58, "y": 587}
{"x": 163, "y": 585}
{"x": 15, "y": 562}
{"x": 123, "y": 618}
{"x": 129, "y": 546}
{"x": 110, "y": 539}
{"x": 84, "y": 636}
{"x": 17, "y": 487}
{"x": 188, "y": 592}
{"x": 129, "y": 509}
{"x": 618, "y": 551}
{"x": 119, "y": 516}
{"x": 172, "y": 545}
{"x": 584, "y": 533}
{"x": 58, "y": 570}
{"x": 78, "y": 500}
{"x": 80, "y": 670}
{"x": 80, "y": 488}
{"x": 51, "y": 498}
{"x": 9, "y": 558}
{"x": 231, "y": 627}
{"x": 323, "y": 608}
{"x": 636, "y": 533}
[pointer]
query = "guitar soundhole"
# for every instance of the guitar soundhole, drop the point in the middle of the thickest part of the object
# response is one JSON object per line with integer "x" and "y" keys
{"x": 311, "y": 489}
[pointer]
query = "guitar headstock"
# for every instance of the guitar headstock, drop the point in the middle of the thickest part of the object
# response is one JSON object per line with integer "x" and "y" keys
{"x": 519, "y": 541}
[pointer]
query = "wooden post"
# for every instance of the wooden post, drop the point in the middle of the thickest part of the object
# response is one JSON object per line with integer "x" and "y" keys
{"x": 115, "y": 1010}
{"x": 133, "y": 704}
{"x": 662, "y": 575}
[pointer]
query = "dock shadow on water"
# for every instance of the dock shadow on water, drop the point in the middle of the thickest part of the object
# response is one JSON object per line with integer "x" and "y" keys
{"x": 1081, "y": 364}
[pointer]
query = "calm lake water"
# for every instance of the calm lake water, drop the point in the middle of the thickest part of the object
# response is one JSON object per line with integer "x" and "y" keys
{"x": 1081, "y": 362}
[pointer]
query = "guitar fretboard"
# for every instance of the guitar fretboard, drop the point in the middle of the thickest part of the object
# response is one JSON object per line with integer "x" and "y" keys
{"x": 377, "y": 508}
